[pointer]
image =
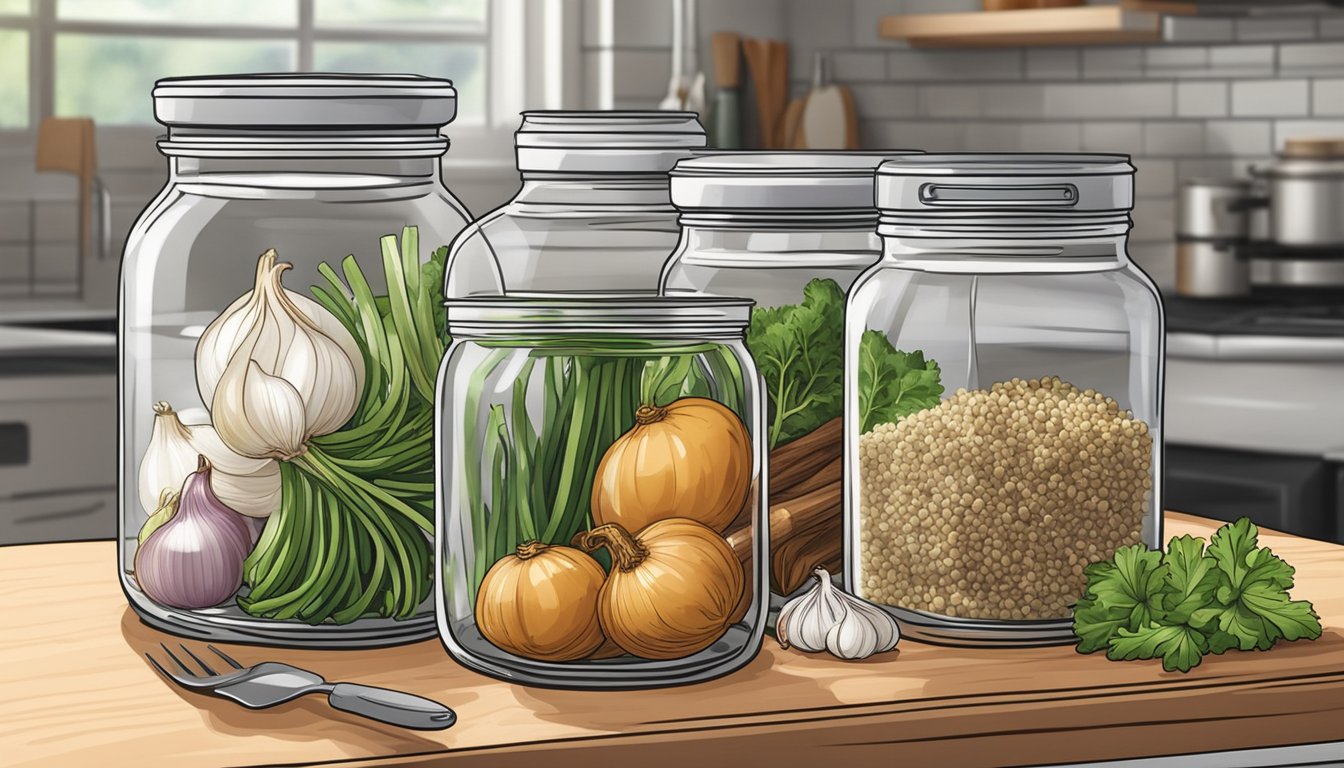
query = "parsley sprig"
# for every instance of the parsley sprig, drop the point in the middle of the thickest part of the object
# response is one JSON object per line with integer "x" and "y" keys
{"x": 1191, "y": 600}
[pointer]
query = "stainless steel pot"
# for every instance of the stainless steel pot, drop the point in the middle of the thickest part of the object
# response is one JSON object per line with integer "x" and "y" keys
{"x": 1211, "y": 231}
{"x": 1307, "y": 186}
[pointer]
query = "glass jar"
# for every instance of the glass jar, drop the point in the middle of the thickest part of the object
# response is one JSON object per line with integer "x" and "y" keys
{"x": 1003, "y": 396}
{"x": 600, "y": 507}
{"x": 790, "y": 230}
{"x": 271, "y": 179}
{"x": 593, "y": 213}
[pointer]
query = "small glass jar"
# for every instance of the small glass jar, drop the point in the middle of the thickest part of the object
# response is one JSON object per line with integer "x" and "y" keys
{"x": 309, "y": 169}
{"x": 766, "y": 226}
{"x": 1003, "y": 396}
{"x": 593, "y": 213}
{"x": 600, "y": 496}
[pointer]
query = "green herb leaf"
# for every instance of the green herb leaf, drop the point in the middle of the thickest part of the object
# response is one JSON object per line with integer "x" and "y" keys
{"x": 893, "y": 384}
{"x": 1232, "y": 595}
{"x": 1180, "y": 647}
{"x": 1190, "y": 581}
{"x": 799, "y": 350}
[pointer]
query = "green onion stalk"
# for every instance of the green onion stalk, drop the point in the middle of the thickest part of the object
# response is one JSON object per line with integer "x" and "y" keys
{"x": 352, "y": 536}
{"x": 535, "y": 482}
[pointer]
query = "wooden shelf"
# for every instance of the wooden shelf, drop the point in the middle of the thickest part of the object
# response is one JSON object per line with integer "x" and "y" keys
{"x": 1132, "y": 22}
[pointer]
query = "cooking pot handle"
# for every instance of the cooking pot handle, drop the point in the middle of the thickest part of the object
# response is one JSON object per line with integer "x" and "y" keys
{"x": 1243, "y": 204}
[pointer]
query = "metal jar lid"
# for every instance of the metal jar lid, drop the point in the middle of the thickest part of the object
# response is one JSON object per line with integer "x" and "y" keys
{"x": 305, "y": 101}
{"x": 778, "y": 180}
{"x": 637, "y": 142}
{"x": 994, "y": 185}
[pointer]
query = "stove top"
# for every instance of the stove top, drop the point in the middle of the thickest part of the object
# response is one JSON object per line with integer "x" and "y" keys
{"x": 1266, "y": 312}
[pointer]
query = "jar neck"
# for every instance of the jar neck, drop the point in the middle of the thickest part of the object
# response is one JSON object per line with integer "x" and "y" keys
{"x": 1007, "y": 246}
{"x": 778, "y": 239}
{"x": 230, "y": 156}
{"x": 583, "y": 189}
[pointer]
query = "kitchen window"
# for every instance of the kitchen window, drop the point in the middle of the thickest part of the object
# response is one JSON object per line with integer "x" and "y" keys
{"x": 99, "y": 57}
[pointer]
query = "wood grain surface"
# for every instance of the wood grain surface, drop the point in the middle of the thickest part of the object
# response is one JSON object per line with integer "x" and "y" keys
{"x": 75, "y": 690}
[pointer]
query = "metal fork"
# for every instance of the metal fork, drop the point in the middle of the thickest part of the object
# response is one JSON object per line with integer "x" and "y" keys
{"x": 270, "y": 683}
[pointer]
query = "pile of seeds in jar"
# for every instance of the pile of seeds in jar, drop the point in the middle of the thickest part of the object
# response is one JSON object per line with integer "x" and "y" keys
{"x": 990, "y": 504}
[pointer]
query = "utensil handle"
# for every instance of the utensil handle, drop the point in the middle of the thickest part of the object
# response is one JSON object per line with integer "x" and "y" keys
{"x": 394, "y": 707}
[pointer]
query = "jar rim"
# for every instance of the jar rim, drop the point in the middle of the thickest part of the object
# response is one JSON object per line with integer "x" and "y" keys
{"x": 623, "y": 314}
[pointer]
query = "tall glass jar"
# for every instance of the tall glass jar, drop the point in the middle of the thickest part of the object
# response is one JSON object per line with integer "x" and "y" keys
{"x": 791, "y": 230}
{"x": 601, "y": 490}
{"x": 1003, "y": 395}
{"x": 240, "y": 345}
{"x": 593, "y": 213}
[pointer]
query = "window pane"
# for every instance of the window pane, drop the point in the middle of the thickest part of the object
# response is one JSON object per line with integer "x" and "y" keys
{"x": 14, "y": 7}
{"x": 460, "y": 62}
{"x": 109, "y": 77}
{"x": 406, "y": 13}
{"x": 13, "y": 78}
{"x": 260, "y": 13}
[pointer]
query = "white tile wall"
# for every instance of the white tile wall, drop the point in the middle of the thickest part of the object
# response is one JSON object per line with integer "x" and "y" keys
{"x": 1218, "y": 95}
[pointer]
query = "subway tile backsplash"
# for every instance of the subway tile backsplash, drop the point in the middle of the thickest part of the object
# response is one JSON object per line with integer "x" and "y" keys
{"x": 1218, "y": 95}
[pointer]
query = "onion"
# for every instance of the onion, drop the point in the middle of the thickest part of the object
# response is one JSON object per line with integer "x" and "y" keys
{"x": 194, "y": 559}
{"x": 673, "y": 589}
{"x": 541, "y": 603}
{"x": 689, "y": 459}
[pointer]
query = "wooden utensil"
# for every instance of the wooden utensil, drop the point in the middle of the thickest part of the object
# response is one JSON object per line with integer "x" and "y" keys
{"x": 768, "y": 64}
{"x": 828, "y": 120}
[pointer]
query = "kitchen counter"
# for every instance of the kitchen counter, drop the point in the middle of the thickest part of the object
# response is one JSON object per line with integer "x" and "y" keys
{"x": 75, "y": 689}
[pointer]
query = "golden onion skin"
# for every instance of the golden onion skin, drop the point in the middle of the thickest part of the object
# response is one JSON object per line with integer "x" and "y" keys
{"x": 541, "y": 603}
{"x": 672, "y": 590}
{"x": 691, "y": 459}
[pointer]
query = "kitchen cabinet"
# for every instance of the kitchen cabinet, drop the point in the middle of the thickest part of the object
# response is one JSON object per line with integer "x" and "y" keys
{"x": 75, "y": 689}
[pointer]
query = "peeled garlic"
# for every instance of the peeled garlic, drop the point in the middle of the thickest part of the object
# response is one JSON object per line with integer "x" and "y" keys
{"x": 248, "y": 486}
{"x": 828, "y": 619}
{"x": 277, "y": 369}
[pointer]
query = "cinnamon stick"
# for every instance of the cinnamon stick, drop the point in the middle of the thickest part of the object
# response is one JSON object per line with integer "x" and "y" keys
{"x": 831, "y": 473}
{"x": 799, "y": 459}
{"x": 792, "y": 563}
{"x": 793, "y": 517}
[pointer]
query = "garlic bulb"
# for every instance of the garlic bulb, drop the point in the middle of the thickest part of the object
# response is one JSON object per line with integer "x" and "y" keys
{"x": 245, "y": 485}
{"x": 194, "y": 559}
{"x": 828, "y": 619}
{"x": 277, "y": 369}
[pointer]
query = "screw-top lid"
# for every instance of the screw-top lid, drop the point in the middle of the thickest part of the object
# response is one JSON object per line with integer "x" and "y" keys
{"x": 774, "y": 180}
{"x": 606, "y": 142}
{"x": 614, "y": 314}
{"x": 307, "y": 101}
{"x": 1016, "y": 185}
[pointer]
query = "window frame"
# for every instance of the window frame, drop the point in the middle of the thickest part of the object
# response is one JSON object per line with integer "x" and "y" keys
{"x": 532, "y": 59}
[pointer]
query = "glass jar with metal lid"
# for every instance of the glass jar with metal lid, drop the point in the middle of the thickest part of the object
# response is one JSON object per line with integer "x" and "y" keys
{"x": 593, "y": 212}
{"x": 1003, "y": 394}
{"x": 600, "y": 514}
{"x": 790, "y": 230}
{"x": 251, "y": 337}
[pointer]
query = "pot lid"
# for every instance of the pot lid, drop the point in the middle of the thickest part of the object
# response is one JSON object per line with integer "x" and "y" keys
{"x": 1005, "y": 183}
{"x": 1323, "y": 148}
{"x": 835, "y": 180}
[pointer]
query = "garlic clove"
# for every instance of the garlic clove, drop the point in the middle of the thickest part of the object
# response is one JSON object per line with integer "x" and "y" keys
{"x": 853, "y": 637}
{"x": 888, "y": 632}
{"x": 246, "y": 485}
{"x": 256, "y": 414}
{"x": 168, "y": 501}
{"x": 805, "y": 620}
{"x": 290, "y": 338}
{"x": 168, "y": 460}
